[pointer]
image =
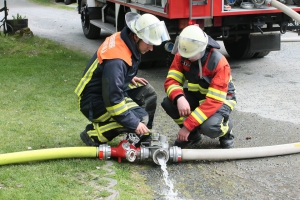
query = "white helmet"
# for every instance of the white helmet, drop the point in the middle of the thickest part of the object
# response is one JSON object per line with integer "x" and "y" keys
{"x": 147, "y": 27}
{"x": 191, "y": 41}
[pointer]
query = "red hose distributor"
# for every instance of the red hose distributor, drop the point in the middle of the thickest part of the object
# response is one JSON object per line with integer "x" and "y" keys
{"x": 123, "y": 150}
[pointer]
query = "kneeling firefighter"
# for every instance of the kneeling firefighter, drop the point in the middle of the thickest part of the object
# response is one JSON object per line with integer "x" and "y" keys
{"x": 110, "y": 94}
{"x": 200, "y": 92}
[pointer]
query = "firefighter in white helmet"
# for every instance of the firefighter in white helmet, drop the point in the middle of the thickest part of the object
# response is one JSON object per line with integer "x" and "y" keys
{"x": 110, "y": 94}
{"x": 203, "y": 106}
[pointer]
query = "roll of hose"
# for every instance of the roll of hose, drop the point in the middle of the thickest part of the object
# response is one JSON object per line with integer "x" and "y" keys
{"x": 247, "y": 5}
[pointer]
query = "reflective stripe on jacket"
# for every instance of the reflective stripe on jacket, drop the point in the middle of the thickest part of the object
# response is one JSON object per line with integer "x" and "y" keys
{"x": 102, "y": 89}
{"x": 213, "y": 90}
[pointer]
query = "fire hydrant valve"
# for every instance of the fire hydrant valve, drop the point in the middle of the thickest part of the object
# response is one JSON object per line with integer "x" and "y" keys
{"x": 121, "y": 151}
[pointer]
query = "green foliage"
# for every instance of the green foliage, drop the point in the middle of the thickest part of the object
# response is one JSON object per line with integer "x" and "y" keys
{"x": 39, "y": 110}
{"x": 18, "y": 17}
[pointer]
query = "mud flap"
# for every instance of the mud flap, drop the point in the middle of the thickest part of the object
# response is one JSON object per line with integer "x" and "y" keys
{"x": 264, "y": 42}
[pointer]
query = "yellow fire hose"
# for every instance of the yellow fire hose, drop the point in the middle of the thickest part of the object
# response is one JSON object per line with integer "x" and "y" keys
{"x": 48, "y": 154}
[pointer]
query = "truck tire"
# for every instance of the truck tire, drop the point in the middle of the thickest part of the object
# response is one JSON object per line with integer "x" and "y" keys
{"x": 67, "y": 2}
{"x": 57, "y": 1}
{"x": 239, "y": 49}
{"x": 90, "y": 31}
{"x": 261, "y": 54}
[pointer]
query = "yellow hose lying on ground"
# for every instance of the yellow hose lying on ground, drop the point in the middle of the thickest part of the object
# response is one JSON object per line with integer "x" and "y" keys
{"x": 48, "y": 154}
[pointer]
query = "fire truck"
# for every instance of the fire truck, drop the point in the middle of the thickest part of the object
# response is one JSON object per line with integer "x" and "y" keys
{"x": 248, "y": 28}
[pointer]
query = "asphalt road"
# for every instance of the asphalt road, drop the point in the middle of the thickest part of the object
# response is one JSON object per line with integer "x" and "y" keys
{"x": 267, "y": 112}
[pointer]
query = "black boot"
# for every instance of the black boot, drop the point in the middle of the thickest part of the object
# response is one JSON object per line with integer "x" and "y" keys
{"x": 193, "y": 138}
{"x": 227, "y": 141}
{"x": 87, "y": 140}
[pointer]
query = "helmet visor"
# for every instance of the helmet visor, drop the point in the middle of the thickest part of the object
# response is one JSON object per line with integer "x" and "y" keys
{"x": 154, "y": 34}
{"x": 130, "y": 19}
{"x": 175, "y": 46}
{"x": 188, "y": 48}
{"x": 197, "y": 56}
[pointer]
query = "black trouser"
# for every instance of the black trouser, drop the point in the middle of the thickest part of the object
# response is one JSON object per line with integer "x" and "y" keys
{"x": 144, "y": 96}
{"x": 215, "y": 126}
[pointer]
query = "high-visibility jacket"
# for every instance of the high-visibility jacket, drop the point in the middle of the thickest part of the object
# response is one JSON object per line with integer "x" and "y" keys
{"x": 102, "y": 89}
{"x": 214, "y": 88}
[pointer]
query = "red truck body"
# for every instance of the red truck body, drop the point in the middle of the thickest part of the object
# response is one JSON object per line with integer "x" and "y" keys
{"x": 247, "y": 32}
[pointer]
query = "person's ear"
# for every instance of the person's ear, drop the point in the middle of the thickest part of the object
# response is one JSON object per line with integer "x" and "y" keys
{"x": 136, "y": 38}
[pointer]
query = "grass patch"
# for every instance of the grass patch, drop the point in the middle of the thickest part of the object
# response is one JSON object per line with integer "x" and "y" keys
{"x": 39, "y": 111}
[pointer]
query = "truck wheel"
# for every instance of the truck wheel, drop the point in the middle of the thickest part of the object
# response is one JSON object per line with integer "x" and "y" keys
{"x": 67, "y": 2}
{"x": 261, "y": 54}
{"x": 57, "y": 1}
{"x": 90, "y": 31}
{"x": 239, "y": 49}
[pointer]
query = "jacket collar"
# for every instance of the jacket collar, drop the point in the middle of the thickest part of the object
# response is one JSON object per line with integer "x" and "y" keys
{"x": 130, "y": 44}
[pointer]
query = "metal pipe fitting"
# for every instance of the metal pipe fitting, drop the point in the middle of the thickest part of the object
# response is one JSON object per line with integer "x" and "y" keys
{"x": 158, "y": 150}
{"x": 104, "y": 152}
{"x": 160, "y": 155}
{"x": 175, "y": 154}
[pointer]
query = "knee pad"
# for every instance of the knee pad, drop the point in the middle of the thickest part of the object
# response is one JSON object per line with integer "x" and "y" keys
{"x": 150, "y": 99}
{"x": 214, "y": 126}
{"x": 145, "y": 119}
{"x": 150, "y": 91}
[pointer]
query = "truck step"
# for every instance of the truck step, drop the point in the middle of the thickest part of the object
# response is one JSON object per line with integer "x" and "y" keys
{"x": 105, "y": 26}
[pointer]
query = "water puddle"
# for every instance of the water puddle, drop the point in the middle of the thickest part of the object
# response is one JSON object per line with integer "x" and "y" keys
{"x": 171, "y": 194}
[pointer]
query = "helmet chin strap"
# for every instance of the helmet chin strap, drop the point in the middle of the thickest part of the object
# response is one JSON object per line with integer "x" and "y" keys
{"x": 137, "y": 45}
{"x": 200, "y": 64}
{"x": 133, "y": 35}
{"x": 200, "y": 68}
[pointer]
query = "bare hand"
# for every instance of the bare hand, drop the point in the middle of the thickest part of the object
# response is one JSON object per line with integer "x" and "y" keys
{"x": 141, "y": 129}
{"x": 183, "y": 106}
{"x": 183, "y": 134}
{"x": 136, "y": 80}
